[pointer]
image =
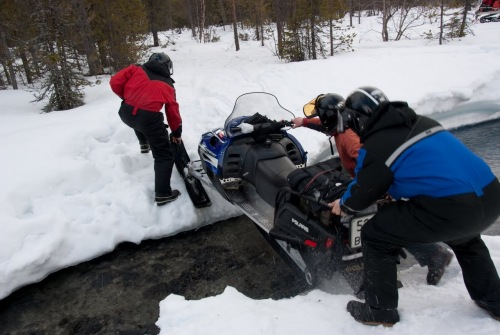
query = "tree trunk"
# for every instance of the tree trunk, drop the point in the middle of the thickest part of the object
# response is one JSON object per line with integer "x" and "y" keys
{"x": 351, "y": 11}
{"x": 313, "y": 32}
{"x": 359, "y": 14}
{"x": 468, "y": 5}
{"x": 191, "y": 16}
{"x": 222, "y": 12}
{"x": 235, "y": 26}
{"x": 262, "y": 33}
{"x": 152, "y": 10}
{"x": 36, "y": 61}
{"x": 12, "y": 74}
{"x": 6, "y": 72}
{"x": 464, "y": 19}
{"x": 258, "y": 20}
{"x": 202, "y": 21}
{"x": 441, "y": 27}
{"x": 26, "y": 66}
{"x": 385, "y": 32}
{"x": 261, "y": 23}
{"x": 9, "y": 71}
{"x": 279, "y": 26}
{"x": 330, "y": 23}
{"x": 156, "y": 40}
{"x": 88, "y": 43}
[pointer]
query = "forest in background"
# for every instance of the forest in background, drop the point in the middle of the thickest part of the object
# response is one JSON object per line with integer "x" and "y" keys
{"x": 54, "y": 45}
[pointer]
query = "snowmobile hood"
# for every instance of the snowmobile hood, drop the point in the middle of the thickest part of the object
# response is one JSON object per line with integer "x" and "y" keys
{"x": 387, "y": 115}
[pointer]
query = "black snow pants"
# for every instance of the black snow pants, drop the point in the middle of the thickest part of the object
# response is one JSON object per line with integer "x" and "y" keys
{"x": 457, "y": 220}
{"x": 153, "y": 129}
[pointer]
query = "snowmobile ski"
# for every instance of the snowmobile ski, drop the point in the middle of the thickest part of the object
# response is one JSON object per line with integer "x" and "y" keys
{"x": 195, "y": 189}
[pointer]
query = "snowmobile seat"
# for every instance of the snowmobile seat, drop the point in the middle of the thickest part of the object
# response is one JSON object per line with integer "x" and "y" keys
{"x": 266, "y": 167}
{"x": 271, "y": 176}
{"x": 255, "y": 154}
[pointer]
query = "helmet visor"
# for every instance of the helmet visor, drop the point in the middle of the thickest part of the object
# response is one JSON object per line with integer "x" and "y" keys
{"x": 310, "y": 109}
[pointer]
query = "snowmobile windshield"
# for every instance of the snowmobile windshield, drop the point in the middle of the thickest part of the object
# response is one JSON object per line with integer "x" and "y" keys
{"x": 249, "y": 104}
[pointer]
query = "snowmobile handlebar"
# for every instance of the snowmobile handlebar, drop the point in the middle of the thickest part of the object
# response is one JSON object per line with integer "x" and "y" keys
{"x": 263, "y": 127}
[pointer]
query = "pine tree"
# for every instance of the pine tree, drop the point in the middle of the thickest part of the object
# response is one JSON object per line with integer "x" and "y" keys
{"x": 120, "y": 29}
{"x": 62, "y": 83}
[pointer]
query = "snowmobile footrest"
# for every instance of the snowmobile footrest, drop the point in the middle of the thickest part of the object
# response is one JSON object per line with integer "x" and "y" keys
{"x": 238, "y": 199}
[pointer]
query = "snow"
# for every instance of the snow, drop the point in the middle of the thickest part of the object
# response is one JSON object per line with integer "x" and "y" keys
{"x": 74, "y": 183}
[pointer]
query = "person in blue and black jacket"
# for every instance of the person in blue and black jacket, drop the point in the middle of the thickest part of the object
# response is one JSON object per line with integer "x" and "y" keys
{"x": 327, "y": 114}
{"x": 442, "y": 192}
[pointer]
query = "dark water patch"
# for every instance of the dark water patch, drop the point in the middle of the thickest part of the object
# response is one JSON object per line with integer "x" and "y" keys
{"x": 484, "y": 140}
{"x": 119, "y": 293}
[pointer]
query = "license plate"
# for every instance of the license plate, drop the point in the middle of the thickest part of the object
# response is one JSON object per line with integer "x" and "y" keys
{"x": 356, "y": 225}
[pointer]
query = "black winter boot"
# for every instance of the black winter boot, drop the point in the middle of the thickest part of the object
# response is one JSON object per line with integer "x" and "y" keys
{"x": 493, "y": 310}
{"x": 437, "y": 266}
{"x": 364, "y": 313}
{"x": 162, "y": 199}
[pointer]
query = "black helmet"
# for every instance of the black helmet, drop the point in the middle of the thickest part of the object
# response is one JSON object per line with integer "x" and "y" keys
{"x": 365, "y": 99}
{"x": 162, "y": 58}
{"x": 360, "y": 105}
{"x": 328, "y": 108}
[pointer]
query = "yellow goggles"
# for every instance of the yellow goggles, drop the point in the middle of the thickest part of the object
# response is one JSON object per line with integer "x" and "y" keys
{"x": 309, "y": 109}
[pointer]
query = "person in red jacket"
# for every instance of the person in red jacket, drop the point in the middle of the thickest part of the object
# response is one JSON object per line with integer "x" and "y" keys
{"x": 346, "y": 141}
{"x": 327, "y": 114}
{"x": 144, "y": 90}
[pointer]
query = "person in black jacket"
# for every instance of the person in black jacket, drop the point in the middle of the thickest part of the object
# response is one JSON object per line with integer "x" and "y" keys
{"x": 442, "y": 192}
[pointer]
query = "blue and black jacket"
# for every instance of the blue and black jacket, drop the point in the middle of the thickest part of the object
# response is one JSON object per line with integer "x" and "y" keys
{"x": 408, "y": 155}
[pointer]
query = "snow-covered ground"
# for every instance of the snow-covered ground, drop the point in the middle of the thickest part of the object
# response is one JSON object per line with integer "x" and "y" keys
{"x": 74, "y": 183}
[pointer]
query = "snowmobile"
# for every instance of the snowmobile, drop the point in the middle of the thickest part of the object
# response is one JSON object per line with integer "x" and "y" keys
{"x": 492, "y": 17}
{"x": 257, "y": 165}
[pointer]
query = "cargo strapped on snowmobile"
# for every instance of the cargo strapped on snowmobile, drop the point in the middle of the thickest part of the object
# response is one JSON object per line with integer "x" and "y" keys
{"x": 324, "y": 181}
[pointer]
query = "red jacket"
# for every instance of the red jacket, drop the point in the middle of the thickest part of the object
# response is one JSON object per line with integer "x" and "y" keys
{"x": 347, "y": 143}
{"x": 133, "y": 85}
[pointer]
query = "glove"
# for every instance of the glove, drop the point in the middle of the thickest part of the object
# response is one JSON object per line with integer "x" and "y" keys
{"x": 246, "y": 128}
